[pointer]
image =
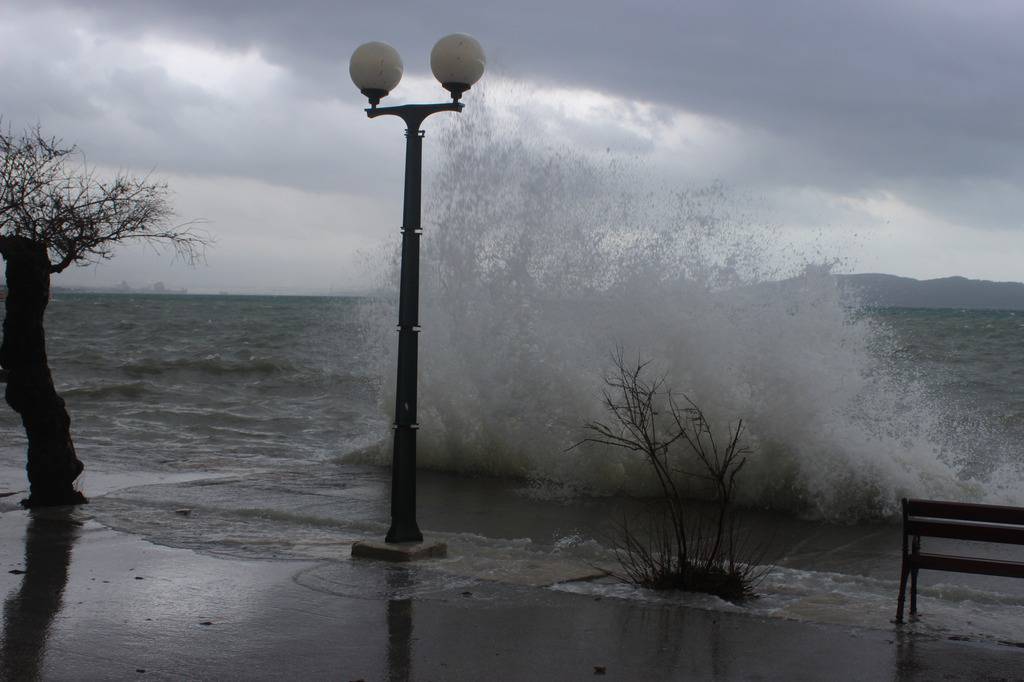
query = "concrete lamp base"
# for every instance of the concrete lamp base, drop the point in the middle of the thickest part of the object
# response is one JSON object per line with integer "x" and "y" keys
{"x": 399, "y": 551}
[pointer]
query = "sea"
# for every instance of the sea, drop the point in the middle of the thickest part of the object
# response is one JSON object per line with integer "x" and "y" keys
{"x": 260, "y": 426}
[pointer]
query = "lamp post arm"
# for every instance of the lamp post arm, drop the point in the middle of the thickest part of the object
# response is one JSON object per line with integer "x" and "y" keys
{"x": 413, "y": 114}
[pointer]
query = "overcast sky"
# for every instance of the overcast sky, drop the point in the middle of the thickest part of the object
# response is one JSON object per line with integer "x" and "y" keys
{"x": 895, "y": 130}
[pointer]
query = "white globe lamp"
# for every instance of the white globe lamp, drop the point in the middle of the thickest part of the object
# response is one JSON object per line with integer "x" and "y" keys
{"x": 457, "y": 61}
{"x": 376, "y": 69}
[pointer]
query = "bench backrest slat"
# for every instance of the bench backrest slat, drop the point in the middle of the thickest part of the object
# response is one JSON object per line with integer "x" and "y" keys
{"x": 965, "y": 511}
{"x": 943, "y": 562}
{"x": 931, "y": 528}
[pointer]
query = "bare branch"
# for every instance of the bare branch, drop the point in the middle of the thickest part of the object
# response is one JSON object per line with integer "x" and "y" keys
{"x": 47, "y": 197}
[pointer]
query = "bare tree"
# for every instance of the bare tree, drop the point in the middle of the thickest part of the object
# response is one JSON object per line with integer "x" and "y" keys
{"x": 55, "y": 211}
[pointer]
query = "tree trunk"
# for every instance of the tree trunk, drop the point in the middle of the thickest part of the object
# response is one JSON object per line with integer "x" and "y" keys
{"x": 52, "y": 463}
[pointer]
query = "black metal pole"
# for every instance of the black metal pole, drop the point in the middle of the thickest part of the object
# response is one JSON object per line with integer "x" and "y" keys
{"x": 403, "y": 460}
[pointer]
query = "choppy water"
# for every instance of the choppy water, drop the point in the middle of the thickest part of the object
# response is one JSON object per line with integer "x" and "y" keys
{"x": 183, "y": 382}
{"x": 195, "y": 382}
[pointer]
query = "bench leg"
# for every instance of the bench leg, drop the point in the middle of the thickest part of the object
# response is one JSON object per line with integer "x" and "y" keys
{"x": 913, "y": 591}
{"x": 915, "y": 547}
{"x": 904, "y": 572}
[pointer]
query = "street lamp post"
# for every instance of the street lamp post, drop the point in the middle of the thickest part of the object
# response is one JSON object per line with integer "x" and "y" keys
{"x": 457, "y": 62}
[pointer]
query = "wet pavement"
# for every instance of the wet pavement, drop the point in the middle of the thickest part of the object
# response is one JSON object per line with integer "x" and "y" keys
{"x": 85, "y": 602}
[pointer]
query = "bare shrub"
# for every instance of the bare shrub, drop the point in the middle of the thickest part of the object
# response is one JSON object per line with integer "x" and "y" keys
{"x": 690, "y": 538}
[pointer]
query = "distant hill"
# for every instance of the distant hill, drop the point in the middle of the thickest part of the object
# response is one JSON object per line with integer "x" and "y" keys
{"x": 946, "y": 292}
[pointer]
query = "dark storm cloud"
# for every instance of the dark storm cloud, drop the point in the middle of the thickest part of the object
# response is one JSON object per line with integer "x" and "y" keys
{"x": 853, "y": 95}
{"x": 858, "y": 76}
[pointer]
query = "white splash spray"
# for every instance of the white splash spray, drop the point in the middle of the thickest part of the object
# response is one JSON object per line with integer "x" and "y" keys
{"x": 537, "y": 261}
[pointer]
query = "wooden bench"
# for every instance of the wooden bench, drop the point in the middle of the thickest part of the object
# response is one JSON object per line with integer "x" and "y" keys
{"x": 957, "y": 521}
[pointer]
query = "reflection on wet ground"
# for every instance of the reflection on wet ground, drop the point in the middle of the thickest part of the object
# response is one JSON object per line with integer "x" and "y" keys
{"x": 399, "y": 624}
{"x": 29, "y": 611}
